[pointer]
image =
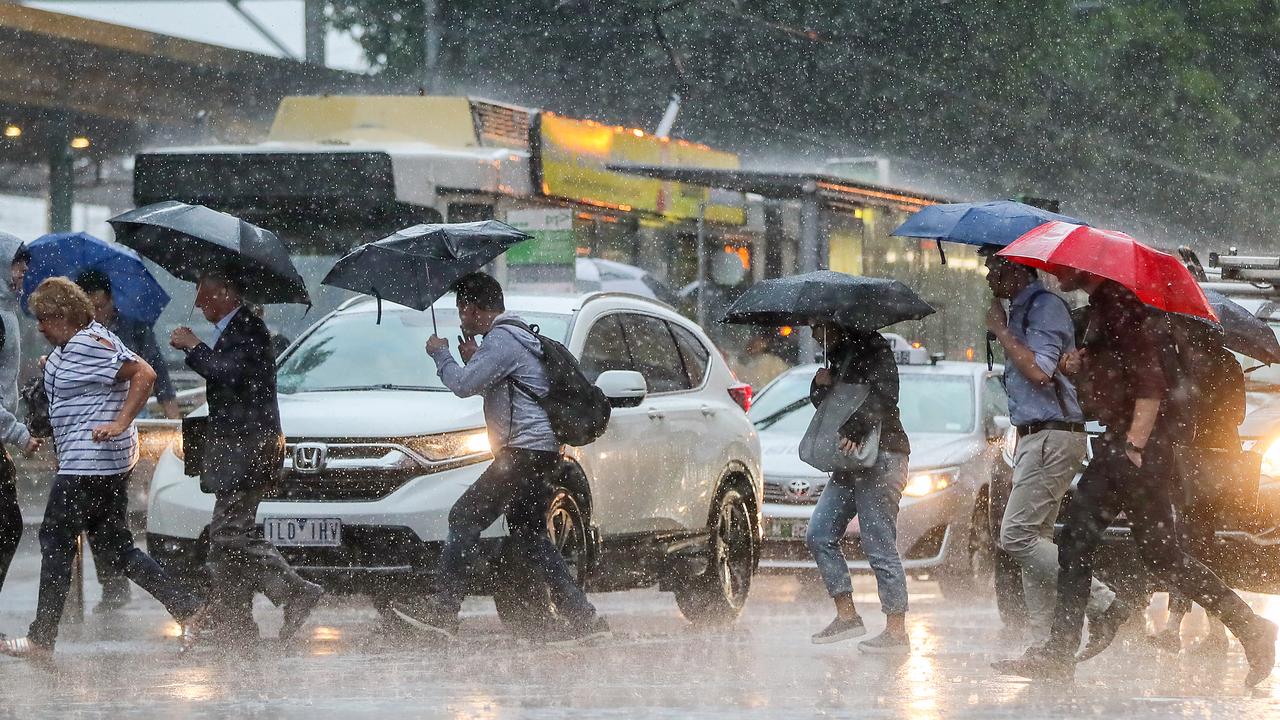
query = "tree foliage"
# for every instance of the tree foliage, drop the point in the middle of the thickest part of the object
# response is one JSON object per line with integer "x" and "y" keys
{"x": 1156, "y": 107}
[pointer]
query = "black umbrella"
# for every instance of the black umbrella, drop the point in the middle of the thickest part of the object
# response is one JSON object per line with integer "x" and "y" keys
{"x": 1245, "y": 333}
{"x": 825, "y": 296}
{"x": 417, "y": 265}
{"x": 187, "y": 240}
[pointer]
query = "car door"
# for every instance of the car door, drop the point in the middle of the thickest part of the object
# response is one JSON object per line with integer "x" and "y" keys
{"x": 619, "y": 503}
{"x": 719, "y": 419}
{"x": 674, "y": 429}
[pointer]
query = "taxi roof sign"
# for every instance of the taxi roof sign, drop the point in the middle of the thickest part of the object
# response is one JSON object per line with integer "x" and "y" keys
{"x": 905, "y": 353}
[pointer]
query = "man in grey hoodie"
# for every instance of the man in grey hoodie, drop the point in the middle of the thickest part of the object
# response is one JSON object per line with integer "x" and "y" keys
{"x": 505, "y": 369}
{"x": 12, "y": 431}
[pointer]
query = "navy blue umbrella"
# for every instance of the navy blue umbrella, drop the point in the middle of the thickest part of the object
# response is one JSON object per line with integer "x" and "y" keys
{"x": 134, "y": 290}
{"x": 998, "y": 222}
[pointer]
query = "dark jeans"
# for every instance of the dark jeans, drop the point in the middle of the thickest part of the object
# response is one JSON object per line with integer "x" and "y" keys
{"x": 241, "y": 561}
{"x": 114, "y": 584}
{"x": 517, "y": 484}
{"x": 1198, "y": 516}
{"x": 1112, "y": 484}
{"x": 90, "y": 504}
{"x": 10, "y": 513}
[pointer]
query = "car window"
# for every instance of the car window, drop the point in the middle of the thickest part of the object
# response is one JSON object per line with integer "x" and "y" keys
{"x": 606, "y": 349}
{"x": 694, "y": 354}
{"x": 355, "y": 352}
{"x": 927, "y": 403}
{"x": 994, "y": 401}
{"x": 654, "y": 353}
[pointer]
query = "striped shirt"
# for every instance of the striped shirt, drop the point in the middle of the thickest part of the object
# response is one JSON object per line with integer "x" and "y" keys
{"x": 80, "y": 379}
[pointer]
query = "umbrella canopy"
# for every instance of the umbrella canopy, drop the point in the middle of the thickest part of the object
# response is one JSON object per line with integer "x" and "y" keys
{"x": 417, "y": 265}
{"x": 1158, "y": 279}
{"x": 134, "y": 290}
{"x": 825, "y": 296}
{"x": 1245, "y": 332}
{"x": 998, "y": 222}
{"x": 187, "y": 240}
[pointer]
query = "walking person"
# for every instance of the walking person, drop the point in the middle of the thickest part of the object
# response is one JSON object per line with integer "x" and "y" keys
{"x": 506, "y": 370}
{"x": 96, "y": 387}
{"x": 141, "y": 338}
{"x": 244, "y": 453}
{"x": 1035, "y": 334}
{"x": 1219, "y": 410}
{"x": 871, "y": 494}
{"x": 12, "y": 431}
{"x": 1127, "y": 377}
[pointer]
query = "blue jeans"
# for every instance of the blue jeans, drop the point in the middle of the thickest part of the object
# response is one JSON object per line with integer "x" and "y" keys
{"x": 872, "y": 495}
{"x": 517, "y": 484}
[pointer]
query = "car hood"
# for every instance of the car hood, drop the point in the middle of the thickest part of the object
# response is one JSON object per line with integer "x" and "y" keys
{"x": 780, "y": 453}
{"x": 377, "y": 413}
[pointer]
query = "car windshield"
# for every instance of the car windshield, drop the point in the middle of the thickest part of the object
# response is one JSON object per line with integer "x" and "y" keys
{"x": 927, "y": 402}
{"x": 354, "y": 352}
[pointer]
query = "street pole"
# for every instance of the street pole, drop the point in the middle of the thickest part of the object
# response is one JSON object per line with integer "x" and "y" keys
{"x": 702, "y": 265}
{"x": 61, "y": 176}
{"x": 431, "y": 45}
{"x": 314, "y": 33}
{"x": 810, "y": 254}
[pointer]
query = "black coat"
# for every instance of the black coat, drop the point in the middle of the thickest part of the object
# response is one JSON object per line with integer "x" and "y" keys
{"x": 868, "y": 359}
{"x": 244, "y": 445}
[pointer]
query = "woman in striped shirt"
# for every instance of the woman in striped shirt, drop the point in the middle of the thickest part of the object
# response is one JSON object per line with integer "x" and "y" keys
{"x": 96, "y": 387}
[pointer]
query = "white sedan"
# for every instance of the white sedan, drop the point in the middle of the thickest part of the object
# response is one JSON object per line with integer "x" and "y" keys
{"x": 956, "y": 415}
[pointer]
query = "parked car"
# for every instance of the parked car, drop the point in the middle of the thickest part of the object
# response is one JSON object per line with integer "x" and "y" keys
{"x": 378, "y": 451}
{"x": 956, "y": 415}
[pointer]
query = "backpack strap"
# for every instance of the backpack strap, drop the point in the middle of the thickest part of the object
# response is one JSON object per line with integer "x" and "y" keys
{"x": 532, "y": 330}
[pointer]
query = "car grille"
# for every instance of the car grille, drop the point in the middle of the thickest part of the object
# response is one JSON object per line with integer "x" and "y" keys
{"x": 783, "y": 489}
{"x": 351, "y": 471}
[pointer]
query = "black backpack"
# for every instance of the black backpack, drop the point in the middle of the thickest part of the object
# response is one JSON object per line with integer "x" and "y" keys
{"x": 578, "y": 410}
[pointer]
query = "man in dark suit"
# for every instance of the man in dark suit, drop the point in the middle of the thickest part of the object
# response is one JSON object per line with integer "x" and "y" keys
{"x": 244, "y": 452}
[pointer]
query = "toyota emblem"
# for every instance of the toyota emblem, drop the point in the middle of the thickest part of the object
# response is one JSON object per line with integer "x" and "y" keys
{"x": 310, "y": 458}
{"x": 799, "y": 489}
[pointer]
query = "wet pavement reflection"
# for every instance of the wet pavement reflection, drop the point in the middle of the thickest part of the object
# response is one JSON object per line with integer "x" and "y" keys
{"x": 127, "y": 665}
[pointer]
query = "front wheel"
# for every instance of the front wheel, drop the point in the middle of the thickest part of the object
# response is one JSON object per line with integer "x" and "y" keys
{"x": 717, "y": 596}
{"x": 522, "y": 599}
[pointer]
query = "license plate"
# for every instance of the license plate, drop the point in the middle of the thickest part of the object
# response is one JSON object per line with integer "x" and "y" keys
{"x": 786, "y": 529}
{"x": 313, "y": 532}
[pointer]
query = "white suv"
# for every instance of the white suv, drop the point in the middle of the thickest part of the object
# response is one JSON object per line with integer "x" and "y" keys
{"x": 379, "y": 450}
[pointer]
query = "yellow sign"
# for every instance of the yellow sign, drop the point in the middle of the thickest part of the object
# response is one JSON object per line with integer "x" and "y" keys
{"x": 574, "y": 155}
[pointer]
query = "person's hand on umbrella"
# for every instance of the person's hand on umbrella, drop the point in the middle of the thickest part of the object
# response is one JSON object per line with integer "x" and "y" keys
{"x": 848, "y": 447}
{"x": 435, "y": 344}
{"x": 33, "y": 445}
{"x": 467, "y": 347}
{"x": 184, "y": 338}
{"x": 997, "y": 318}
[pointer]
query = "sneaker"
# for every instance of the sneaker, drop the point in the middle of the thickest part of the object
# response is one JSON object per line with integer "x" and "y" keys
{"x": 840, "y": 630}
{"x": 298, "y": 610}
{"x": 26, "y": 649}
{"x": 1211, "y": 646}
{"x": 886, "y": 643}
{"x": 1167, "y": 640}
{"x": 428, "y": 618}
{"x": 1260, "y": 651}
{"x": 597, "y": 628}
{"x": 1103, "y": 629}
{"x": 1038, "y": 664}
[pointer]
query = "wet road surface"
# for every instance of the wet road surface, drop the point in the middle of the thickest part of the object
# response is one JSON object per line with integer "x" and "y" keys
{"x": 656, "y": 666}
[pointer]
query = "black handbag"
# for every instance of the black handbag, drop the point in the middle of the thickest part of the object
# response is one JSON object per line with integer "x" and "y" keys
{"x": 36, "y": 401}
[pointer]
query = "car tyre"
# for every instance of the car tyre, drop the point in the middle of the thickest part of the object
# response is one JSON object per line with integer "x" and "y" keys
{"x": 522, "y": 600}
{"x": 973, "y": 574}
{"x": 717, "y": 595}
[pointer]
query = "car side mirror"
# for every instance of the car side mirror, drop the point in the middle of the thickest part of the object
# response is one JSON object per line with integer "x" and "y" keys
{"x": 997, "y": 426}
{"x": 624, "y": 388}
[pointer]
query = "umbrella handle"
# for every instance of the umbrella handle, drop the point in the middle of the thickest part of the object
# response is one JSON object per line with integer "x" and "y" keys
{"x": 942, "y": 253}
{"x": 435, "y": 329}
{"x": 378, "y": 296}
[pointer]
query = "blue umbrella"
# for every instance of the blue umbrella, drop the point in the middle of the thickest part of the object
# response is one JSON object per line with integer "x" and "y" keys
{"x": 998, "y": 222}
{"x": 134, "y": 290}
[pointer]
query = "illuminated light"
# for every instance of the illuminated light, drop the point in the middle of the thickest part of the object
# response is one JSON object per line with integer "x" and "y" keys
{"x": 785, "y": 331}
{"x": 857, "y": 212}
{"x": 476, "y": 443}
{"x": 891, "y": 257}
{"x": 12, "y": 131}
{"x": 915, "y": 203}
{"x": 173, "y": 630}
{"x": 916, "y": 345}
{"x": 927, "y": 483}
{"x": 968, "y": 354}
{"x": 1271, "y": 460}
{"x": 638, "y": 132}
{"x": 326, "y": 634}
{"x": 80, "y": 143}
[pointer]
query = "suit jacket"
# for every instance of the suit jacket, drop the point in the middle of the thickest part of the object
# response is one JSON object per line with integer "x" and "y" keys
{"x": 244, "y": 446}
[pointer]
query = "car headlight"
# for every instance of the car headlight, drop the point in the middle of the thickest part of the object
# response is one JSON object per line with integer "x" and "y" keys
{"x": 451, "y": 446}
{"x": 927, "y": 483}
{"x": 1271, "y": 459}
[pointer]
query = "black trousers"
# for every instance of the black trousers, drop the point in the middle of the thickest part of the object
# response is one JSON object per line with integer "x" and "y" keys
{"x": 113, "y": 582}
{"x": 10, "y": 513}
{"x": 241, "y": 561}
{"x": 1112, "y": 484}
{"x": 90, "y": 504}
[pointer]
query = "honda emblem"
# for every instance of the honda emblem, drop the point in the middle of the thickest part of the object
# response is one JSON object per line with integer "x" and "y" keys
{"x": 310, "y": 458}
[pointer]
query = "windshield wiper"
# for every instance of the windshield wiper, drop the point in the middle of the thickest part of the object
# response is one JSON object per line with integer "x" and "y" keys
{"x": 380, "y": 386}
{"x": 764, "y": 422}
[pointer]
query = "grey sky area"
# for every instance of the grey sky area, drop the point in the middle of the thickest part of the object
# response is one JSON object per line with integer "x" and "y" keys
{"x": 216, "y": 22}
